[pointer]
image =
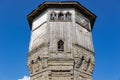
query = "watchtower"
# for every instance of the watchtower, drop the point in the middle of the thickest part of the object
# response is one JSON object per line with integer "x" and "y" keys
{"x": 61, "y": 45}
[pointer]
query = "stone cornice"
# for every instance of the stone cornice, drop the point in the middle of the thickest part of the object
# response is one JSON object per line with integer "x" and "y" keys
{"x": 64, "y": 4}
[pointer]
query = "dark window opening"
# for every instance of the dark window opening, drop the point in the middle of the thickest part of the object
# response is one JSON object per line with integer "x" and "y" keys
{"x": 53, "y": 16}
{"x": 68, "y": 16}
{"x": 60, "y": 45}
{"x": 60, "y": 16}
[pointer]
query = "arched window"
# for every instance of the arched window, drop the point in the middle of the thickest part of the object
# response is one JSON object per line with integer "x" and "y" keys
{"x": 68, "y": 16}
{"x": 53, "y": 16}
{"x": 60, "y": 16}
{"x": 60, "y": 45}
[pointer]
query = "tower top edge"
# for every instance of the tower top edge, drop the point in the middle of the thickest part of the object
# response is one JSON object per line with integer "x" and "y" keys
{"x": 61, "y": 4}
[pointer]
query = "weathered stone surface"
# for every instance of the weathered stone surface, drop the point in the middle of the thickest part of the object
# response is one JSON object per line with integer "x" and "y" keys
{"x": 61, "y": 45}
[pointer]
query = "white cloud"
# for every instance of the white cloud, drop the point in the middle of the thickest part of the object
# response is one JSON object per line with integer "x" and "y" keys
{"x": 25, "y": 78}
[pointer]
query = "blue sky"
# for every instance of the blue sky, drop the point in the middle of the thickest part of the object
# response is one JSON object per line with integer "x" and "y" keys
{"x": 15, "y": 36}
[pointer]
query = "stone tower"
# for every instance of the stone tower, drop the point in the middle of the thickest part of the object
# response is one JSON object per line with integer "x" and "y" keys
{"x": 61, "y": 45}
